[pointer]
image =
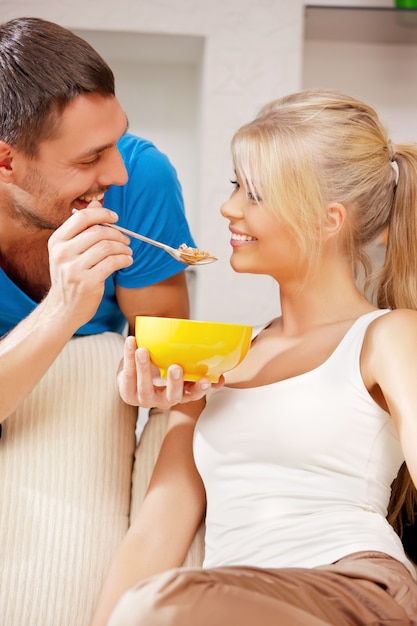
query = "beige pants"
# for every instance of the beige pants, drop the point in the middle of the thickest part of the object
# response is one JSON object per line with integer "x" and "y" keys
{"x": 364, "y": 589}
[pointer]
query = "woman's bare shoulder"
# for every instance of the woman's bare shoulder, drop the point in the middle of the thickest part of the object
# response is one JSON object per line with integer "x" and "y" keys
{"x": 390, "y": 339}
{"x": 393, "y": 322}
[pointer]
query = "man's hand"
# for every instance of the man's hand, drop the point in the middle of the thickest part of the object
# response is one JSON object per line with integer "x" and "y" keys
{"x": 140, "y": 384}
{"x": 82, "y": 254}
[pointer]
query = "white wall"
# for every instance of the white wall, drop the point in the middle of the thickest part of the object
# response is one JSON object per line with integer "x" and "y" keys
{"x": 372, "y": 55}
{"x": 385, "y": 77}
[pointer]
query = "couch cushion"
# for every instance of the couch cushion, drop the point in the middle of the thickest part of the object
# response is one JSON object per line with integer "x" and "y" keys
{"x": 65, "y": 464}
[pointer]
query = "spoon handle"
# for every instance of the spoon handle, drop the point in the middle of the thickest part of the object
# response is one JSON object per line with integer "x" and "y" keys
{"x": 131, "y": 233}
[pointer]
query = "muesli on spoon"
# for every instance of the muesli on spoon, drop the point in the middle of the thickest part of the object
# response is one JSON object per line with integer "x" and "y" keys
{"x": 194, "y": 255}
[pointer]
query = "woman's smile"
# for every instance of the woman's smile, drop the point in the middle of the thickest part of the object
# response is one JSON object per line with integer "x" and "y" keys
{"x": 238, "y": 238}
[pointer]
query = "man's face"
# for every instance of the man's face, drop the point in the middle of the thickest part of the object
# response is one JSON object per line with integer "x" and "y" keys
{"x": 73, "y": 168}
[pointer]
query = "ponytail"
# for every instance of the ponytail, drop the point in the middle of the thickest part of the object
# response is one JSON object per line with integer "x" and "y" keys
{"x": 397, "y": 288}
{"x": 403, "y": 501}
{"x": 397, "y": 284}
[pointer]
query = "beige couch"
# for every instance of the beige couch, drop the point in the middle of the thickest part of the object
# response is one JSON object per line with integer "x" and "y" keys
{"x": 67, "y": 457}
{"x": 71, "y": 479}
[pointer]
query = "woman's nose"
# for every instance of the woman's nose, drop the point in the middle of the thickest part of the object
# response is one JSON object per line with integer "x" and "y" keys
{"x": 232, "y": 207}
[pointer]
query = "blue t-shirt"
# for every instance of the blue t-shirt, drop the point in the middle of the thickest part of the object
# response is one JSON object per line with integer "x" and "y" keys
{"x": 150, "y": 203}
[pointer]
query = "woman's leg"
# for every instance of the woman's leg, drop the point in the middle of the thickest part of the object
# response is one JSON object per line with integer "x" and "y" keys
{"x": 252, "y": 597}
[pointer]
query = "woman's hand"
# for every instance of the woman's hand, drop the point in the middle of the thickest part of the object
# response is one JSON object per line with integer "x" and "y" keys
{"x": 140, "y": 384}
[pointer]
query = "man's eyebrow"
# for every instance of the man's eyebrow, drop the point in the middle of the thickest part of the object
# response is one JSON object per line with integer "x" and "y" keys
{"x": 97, "y": 150}
{"x": 94, "y": 151}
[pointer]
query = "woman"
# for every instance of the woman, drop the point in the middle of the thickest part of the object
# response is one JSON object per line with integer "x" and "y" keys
{"x": 296, "y": 453}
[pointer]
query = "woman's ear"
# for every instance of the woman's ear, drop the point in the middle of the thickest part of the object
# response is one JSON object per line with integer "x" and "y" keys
{"x": 6, "y": 162}
{"x": 335, "y": 219}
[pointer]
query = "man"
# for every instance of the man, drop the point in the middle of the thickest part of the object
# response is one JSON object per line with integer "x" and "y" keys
{"x": 69, "y": 286}
{"x": 63, "y": 146}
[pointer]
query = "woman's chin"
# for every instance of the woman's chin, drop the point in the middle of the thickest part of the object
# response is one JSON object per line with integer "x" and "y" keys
{"x": 238, "y": 265}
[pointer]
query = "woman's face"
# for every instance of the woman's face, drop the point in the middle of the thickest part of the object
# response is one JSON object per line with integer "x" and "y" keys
{"x": 261, "y": 242}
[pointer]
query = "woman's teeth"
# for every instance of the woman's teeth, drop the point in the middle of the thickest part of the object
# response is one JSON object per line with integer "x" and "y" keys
{"x": 238, "y": 237}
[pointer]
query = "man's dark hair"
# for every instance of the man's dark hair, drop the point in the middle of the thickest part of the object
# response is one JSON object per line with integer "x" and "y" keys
{"x": 43, "y": 66}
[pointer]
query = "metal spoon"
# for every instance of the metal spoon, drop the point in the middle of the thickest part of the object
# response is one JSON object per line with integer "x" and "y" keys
{"x": 188, "y": 256}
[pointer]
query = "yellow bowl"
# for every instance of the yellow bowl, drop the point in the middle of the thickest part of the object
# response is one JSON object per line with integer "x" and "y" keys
{"x": 206, "y": 349}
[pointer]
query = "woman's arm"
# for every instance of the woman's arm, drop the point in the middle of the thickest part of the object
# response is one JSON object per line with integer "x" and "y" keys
{"x": 168, "y": 518}
{"x": 390, "y": 365}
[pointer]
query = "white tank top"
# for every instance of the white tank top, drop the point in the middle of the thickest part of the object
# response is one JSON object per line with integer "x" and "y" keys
{"x": 298, "y": 472}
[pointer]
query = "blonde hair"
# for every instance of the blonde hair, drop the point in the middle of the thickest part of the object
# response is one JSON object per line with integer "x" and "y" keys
{"x": 307, "y": 150}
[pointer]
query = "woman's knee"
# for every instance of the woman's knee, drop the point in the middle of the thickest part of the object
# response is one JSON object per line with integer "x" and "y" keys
{"x": 162, "y": 599}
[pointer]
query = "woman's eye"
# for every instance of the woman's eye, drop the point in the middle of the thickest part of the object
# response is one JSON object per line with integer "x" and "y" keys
{"x": 254, "y": 197}
{"x": 251, "y": 195}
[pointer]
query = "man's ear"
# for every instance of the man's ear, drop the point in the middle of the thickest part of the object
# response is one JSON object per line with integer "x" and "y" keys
{"x": 336, "y": 217}
{"x": 6, "y": 162}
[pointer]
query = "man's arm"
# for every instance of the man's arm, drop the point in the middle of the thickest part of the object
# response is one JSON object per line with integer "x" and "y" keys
{"x": 82, "y": 254}
{"x": 168, "y": 298}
